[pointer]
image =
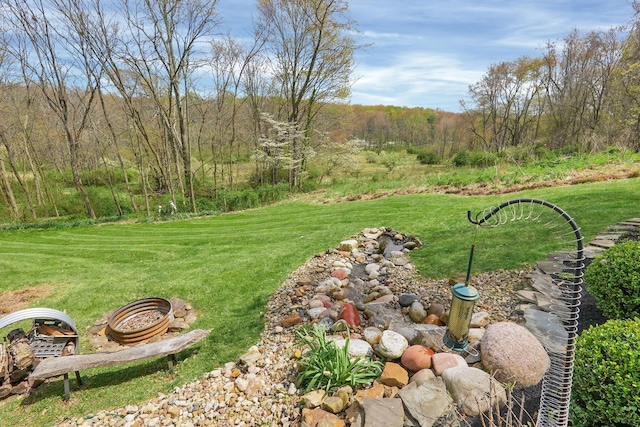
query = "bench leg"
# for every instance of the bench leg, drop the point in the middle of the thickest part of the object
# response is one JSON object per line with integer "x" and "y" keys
{"x": 66, "y": 387}
{"x": 171, "y": 361}
{"x": 78, "y": 378}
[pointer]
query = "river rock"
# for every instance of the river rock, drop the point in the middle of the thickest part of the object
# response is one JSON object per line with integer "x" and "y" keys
{"x": 443, "y": 361}
{"x": 392, "y": 345}
{"x": 436, "y": 308}
{"x": 372, "y": 335}
{"x": 357, "y": 347}
{"x": 417, "y": 357}
{"x": 513, "y": 354}
{"x": 417, "y": 312}
{"x": 480, "y": 319}
{"x": 405, "y": 300}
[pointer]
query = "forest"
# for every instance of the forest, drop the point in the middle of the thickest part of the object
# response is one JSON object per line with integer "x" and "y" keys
{"x": 114, "y": 108}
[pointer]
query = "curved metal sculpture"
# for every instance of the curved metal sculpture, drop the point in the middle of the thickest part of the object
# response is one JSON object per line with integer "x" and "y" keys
{"x": 564, "y": 306}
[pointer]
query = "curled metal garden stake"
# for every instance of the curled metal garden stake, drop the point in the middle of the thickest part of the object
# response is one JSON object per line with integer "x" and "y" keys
{"x": 564, "y": 308}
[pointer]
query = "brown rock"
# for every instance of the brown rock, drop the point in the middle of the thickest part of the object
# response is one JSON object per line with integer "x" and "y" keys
{"x": 180, "y": 313}
{"x": 375, "y": 392}
{"x": 432, "y": 319}
{"x": 417, "y": 357}
{"x": 333, "y": 404}
{"x": 339, "y": 273}
{"x": 304, "y": 281}
{"x": 319, "y": 418}
{"x": 394, "y": 375}
{"x": 291, "y": 320}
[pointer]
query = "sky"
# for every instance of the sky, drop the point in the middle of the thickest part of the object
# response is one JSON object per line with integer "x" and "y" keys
{"x": 427, "y": 53}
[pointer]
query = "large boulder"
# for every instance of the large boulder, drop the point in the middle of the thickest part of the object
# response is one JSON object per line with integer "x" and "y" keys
{"x": 513, "y": 355}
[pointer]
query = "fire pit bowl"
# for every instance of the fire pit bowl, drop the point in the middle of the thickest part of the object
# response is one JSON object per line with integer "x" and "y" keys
{"x": 140, "y": 320}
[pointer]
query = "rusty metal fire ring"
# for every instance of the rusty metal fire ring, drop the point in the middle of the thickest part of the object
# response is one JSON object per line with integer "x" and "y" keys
{"x": 120, "y": 332}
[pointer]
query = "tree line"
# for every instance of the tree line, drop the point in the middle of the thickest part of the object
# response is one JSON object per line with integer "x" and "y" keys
{"x": 151, "y": 99}
{"x": 155, "y": 86}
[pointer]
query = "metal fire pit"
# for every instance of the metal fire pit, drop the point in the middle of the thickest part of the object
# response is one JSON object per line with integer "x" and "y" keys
{"x": 140, "y": 320}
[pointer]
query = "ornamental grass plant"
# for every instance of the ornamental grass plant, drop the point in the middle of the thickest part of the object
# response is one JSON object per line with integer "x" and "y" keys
{"x": 325, "y": 365}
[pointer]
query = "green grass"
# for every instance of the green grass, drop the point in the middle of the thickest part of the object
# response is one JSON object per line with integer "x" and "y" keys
{"x": 227, "y": 266}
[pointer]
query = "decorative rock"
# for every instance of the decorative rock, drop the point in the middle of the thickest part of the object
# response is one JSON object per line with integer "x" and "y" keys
{"x": 473, "y": 390}
{"x": 410, "y": 245}
{"x": 291, "y": 320}
{"x": 318, "y": 417}
{"x": 422, "y": 376}
{"x": 432, "y": 319}
{"x": 345, "y": 394}
{"x": 251, "y": 356}
{"x": 386, "y": 412}
{"x": 316, "y": 302}
{"x": 357, "y": 347}
{"x": 405, "y": 300}
{"x": 513, "y": 354}
{"x": 437, "y": 309}
{"x": 431, "y": 335}
{"x": 372, "y": 335}
{"x": 316, "y": 313}
{"x": 411, "y": 334}
{"x": 443, "y": 361}
{"x": 480, "y": 319}
{"x": 417, "y": 313}
{"x": 375, "y": 392}
{"x": 394, "y": 375}
{"x": 392, "y": 345}
{"x": 339, "y": 273}
{"x": 333, "y": 404}
{"x": 417, "y": 357}
{"x": 427, "y": 402}
{"x": 475, "y": 334}
{"x": 348, "y": 245}
{"x": 314, "y": 398}
{"x": 349, "y": 314}
{"x": 372, "y": 268}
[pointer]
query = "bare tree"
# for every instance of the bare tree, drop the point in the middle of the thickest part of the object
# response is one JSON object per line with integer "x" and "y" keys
{"x": 58, "y": 60}
{"x": 311, "y": 48}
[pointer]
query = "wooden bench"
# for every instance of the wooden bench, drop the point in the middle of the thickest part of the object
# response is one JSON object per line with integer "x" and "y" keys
{"x": 56, "y": 366}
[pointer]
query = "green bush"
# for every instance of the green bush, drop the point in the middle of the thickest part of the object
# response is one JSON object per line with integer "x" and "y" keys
{"x": 428, "y": 158}
{"x": 614, "y": 280}
{"x": 606, "y": 381}
{"x": 482, "y": 159}
{"x": 460, "y": 159}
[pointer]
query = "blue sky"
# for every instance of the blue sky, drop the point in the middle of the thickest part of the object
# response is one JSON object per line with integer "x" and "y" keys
{"x": 427, "y": 53}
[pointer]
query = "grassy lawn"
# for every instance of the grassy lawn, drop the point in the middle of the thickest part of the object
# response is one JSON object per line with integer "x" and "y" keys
{"x": 227, "y": 266}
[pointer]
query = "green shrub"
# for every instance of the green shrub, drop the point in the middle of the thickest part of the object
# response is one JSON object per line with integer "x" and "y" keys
{"x": 326, "y": 365}
{"x": 614, "y": 280}
{"x": 482, "y": 159}
{"x": 606, "y": 382}
{"x": 460, "y": 159}
{"x": 428, "y": 158}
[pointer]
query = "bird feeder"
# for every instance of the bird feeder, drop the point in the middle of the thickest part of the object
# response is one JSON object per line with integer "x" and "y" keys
{"x": 464, "y": 297}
